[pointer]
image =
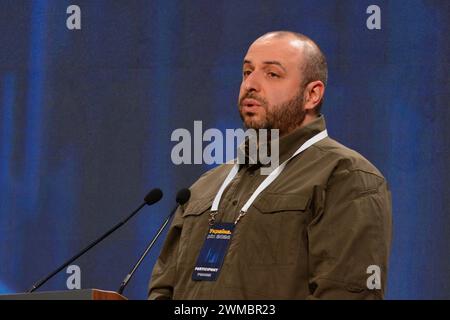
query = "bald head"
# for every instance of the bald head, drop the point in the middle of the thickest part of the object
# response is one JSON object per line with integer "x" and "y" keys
{"x": 312, "y": 61}
{"x": 283, "y": 82}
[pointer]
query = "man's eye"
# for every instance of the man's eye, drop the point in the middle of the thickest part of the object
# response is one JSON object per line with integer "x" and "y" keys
{"x": 246, "y": 73}
{"x": 273, "y": 75}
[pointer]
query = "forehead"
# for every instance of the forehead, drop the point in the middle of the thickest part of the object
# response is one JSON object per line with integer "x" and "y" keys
{"x": 286, "y": 50}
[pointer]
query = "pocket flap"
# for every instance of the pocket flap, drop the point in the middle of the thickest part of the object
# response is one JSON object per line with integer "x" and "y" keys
{"x": 197, "y": 206}
{"x": 274, "y": 202}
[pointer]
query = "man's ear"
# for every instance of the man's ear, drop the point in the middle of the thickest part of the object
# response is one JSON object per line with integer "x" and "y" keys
{"x": 314, "y": 93}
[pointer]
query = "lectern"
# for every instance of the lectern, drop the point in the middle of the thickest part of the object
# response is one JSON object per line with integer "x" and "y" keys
{"x": 84, "y": 294}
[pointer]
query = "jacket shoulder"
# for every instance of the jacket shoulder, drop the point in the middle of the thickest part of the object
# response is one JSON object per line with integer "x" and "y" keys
{"x": 347, "y": 159}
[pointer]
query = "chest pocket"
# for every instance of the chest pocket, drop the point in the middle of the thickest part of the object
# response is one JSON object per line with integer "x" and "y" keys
{"x": 194, "y": 228}
{"x": 197, "y": 207}
{"x": 277, "y": 229}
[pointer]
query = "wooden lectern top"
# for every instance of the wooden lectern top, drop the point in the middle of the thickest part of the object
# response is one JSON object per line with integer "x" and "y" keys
{"x": 84, "y": 294}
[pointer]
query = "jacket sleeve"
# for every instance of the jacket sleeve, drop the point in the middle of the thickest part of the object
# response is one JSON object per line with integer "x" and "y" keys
{"x": 349, "y": 238}
{"x": 163, "y": 275}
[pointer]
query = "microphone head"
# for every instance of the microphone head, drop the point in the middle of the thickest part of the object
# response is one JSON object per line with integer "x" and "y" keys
{"x": 183, "y": 196}
{"x": 153, "y": 196}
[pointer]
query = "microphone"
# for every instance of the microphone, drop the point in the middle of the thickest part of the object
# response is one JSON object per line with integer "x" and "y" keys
{"x": 182, "y": 197}
{"x": 151, "y": 198}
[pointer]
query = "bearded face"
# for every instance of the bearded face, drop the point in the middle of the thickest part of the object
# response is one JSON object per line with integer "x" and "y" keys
{"x": 257, "y": 113}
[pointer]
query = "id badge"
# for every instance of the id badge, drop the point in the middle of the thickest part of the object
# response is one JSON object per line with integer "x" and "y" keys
{"x": 213, "y": 252}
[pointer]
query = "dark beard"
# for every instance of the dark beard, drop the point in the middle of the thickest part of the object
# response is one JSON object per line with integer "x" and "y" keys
{"x": 286, "y": 117}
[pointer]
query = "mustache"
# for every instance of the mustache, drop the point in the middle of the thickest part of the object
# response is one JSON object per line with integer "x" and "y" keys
{"x": 251, "y": 95}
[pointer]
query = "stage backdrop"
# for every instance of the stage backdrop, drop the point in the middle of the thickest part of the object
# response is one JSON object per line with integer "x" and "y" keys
{"x": 86, "y": 117}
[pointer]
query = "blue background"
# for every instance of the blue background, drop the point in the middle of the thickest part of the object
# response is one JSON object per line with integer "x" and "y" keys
{"x": 86, "y": 118}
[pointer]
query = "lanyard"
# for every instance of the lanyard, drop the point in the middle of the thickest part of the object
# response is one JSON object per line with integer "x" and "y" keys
{"x": 267, "y": 181}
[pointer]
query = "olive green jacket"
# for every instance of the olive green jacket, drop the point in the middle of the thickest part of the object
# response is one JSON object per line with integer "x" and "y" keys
{"x": 321, "y": 230}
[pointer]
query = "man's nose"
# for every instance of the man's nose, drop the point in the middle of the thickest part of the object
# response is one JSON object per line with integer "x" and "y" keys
{"x": 252, "y": 82}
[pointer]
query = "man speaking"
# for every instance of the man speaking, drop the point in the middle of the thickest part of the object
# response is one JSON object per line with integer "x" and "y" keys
{"x": 317, "y": 227}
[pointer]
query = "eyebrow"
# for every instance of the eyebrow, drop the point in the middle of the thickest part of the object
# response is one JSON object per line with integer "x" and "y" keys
{"x": 269, "y": 62}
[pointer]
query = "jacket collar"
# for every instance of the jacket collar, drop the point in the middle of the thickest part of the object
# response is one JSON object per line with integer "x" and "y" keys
{"x": 288, "y": 144}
